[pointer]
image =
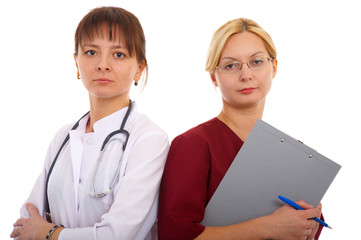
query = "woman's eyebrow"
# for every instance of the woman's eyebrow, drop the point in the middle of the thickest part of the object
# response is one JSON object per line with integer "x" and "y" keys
{"x": 229, "y": 58}
{"x": 235, "y": 59}
{"x": 115, "y": 46}
{"x": 256, "y": 53}
{"x": 118, "y": 46}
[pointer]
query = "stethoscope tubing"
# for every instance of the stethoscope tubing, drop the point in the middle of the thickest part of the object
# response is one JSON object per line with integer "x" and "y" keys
{"x": 103, "y": 148}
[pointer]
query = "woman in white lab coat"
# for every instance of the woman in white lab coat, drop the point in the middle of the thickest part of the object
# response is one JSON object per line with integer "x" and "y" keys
{"x": 113, "y": 194}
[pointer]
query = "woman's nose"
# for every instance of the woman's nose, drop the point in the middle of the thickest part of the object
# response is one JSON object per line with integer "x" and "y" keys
{"x": 103, "y": 65}
{"x": 245, "y": 73}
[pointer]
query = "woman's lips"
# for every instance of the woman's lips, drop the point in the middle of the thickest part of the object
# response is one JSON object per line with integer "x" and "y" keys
{"x": 247, "y": 90}
{"x": 102, "y": 80}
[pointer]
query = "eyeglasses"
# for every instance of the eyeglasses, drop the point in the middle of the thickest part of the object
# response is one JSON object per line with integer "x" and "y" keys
{"x": 255, "y": 63}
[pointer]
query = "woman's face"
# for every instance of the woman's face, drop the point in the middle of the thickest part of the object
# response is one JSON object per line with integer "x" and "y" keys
{"x": 105, "y": 67}
{"x": 247, "y": 87}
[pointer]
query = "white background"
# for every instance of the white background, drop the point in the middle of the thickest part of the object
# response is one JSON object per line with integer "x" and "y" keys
{"x": 315, "y": 96}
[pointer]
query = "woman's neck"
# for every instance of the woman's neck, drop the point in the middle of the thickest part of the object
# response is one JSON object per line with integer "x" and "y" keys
{"x": 100, "y": 108}
{"x": 241, "y": 120}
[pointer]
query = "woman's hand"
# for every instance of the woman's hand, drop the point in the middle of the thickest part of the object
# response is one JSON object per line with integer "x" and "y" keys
{"x": 32, "y": 228}
{"x": 314, "y": 231}
{"x": 288, "y": 223}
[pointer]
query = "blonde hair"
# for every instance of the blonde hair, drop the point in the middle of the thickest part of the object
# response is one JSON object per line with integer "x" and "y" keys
{"x": 230, "y": 28}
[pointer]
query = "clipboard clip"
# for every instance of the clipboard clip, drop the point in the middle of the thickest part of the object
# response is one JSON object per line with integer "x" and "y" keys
{"x": 310, "y": 155}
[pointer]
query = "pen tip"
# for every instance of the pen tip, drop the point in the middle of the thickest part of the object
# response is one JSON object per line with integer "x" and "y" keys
{"x": 329, "y": 227}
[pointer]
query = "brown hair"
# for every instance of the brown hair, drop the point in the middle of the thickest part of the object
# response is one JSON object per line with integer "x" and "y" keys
{"x": 121, "y": 23}
{"x": 230, "y": 28}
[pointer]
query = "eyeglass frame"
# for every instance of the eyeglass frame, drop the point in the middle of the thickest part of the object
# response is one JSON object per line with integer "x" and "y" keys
{"x": 241, "y": 65}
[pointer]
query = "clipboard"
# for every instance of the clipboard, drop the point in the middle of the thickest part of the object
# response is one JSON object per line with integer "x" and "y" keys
{"x": 270, "y": 163}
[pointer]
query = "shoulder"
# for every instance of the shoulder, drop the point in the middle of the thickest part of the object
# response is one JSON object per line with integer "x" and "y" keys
{"x": 61, "y": 134}
{"x": 57, "y": 142}
{"x": 196, "y": 142}
{"x": 212, "y": 136}
{"x": 141, "y": 127}
{"x": 141, "y": 122}
{"x": 202, "y": 132}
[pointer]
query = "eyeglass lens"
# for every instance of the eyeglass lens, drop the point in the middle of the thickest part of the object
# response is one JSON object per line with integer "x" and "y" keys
{"x": 254, "y": 63}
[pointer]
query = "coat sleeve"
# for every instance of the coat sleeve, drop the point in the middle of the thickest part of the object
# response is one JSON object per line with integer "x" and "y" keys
{"x": 37, "y": 195}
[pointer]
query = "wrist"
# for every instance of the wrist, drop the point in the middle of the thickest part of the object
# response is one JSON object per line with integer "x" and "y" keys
{"x": 54, "y": 232}
{"x": 265, "y": 227}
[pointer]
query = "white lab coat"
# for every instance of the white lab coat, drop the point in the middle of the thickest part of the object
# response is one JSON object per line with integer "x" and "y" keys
{"x": 129, "y": 211}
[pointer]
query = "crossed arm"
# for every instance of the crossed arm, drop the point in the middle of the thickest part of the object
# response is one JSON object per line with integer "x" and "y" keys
{"x": 34, "y": 227}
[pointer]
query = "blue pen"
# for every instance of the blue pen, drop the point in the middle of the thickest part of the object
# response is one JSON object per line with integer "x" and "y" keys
{"x": 298, "y": 207}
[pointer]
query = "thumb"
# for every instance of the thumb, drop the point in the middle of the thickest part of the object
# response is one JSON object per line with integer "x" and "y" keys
{"x": 33, "y": 211}
{"x": 304, "y": 205}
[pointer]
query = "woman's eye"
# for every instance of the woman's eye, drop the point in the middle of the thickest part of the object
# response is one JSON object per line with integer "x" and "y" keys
{"x": 90, "y": 52}
{"x": 119, "y": 55}
{"x": 257, "y": 62}
{"x": 230, "y": 66}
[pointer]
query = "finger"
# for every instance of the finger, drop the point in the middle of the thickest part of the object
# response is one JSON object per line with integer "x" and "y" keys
{"x": 314, "y": 231}
{"x": 311, "y": 224}
{"x": 19, "y": 222}
{"x": 304, "y": 205}
{"x": 308, "y": 232}
{"x": 319, "y": 206}
{"x": 33, "y": 211}
{"x": 313, "y": 213}
{"x": 16, "y": 232}
{"x": 310, "y": 213}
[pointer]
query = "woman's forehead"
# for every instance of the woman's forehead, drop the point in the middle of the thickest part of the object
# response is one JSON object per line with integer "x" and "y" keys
{"x": 103, "y": 30}
{"x": 246, "y": 43}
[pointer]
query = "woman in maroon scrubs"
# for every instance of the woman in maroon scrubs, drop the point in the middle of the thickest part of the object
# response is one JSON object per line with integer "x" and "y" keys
{"x": 242, "y": 61}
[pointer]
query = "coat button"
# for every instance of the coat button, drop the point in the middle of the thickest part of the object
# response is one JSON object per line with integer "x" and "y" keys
{"x": 90, "y": 140}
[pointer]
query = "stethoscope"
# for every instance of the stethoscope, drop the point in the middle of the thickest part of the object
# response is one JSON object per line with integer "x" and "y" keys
{"x": 107, "y": 140}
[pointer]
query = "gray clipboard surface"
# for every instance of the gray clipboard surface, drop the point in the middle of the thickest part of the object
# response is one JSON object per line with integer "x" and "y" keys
{"x": 270, "y": 163}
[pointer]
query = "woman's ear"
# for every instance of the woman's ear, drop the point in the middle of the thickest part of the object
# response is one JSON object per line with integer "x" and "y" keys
{"x": 140, "y": 70}
{"x": 274, "y": 67}
{"x": 213, "y": 77}
{"x": 77, "y": 67}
